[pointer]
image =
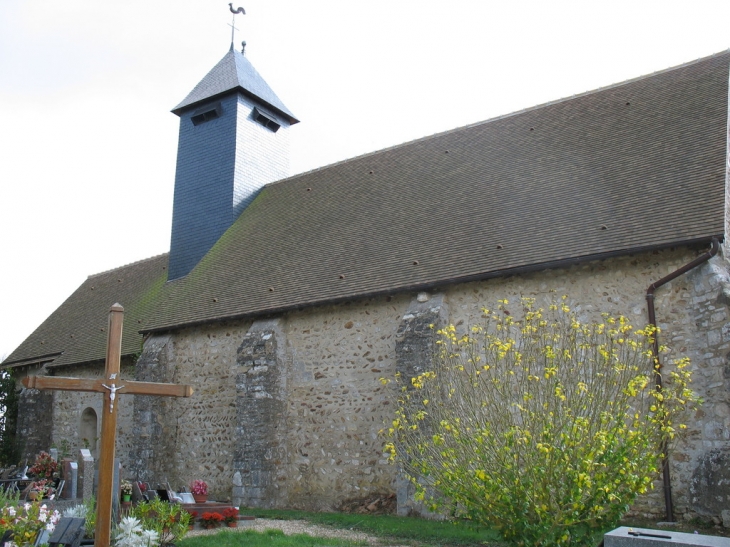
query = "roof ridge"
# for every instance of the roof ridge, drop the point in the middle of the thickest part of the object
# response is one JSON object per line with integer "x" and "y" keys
{"x": 502, "y": 116}
{"x": 135, "y": 263}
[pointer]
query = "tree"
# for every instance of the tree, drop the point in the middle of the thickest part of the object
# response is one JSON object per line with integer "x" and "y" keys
{"x": 9, "y": 450}
{"x": 541, "y": 426}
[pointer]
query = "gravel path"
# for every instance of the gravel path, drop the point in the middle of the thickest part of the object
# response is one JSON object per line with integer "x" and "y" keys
{"x": 293, "y": 527}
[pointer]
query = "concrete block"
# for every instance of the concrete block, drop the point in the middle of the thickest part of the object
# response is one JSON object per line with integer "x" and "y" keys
{"x": 642, "y": 537}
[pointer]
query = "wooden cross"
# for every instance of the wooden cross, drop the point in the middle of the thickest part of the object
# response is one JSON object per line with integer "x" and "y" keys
{"x": 110, "y": 388}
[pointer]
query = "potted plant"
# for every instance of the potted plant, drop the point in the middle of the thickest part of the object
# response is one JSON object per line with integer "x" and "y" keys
{"x": 199, "y": 489}
{"x": 210, "y": 520}
{"x": 44, "y": 466}
{"x": 126, "y": 491}
{"x": 230, "y": 516}
{"x": 191, "y": 522}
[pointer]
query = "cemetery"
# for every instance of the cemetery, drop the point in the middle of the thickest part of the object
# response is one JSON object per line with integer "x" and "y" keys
{"x": 269, "y": 357}
{"x": 72, "y": 500}
{"x": 80, "y": 486}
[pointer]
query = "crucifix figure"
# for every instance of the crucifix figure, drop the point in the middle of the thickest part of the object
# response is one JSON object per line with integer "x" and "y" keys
{"x": 109, "y": 419}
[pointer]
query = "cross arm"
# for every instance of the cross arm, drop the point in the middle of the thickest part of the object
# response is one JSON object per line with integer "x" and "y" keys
{"x": 97, "y": 385}
{"x": 64, "y": 384}
{"x": 153, "y": 388}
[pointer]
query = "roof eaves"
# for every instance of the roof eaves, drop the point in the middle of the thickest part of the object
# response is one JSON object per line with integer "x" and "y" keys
{"x": 37, "y": 360}
{"x": 238, "y": 89}
{"x": 527, "y": 268}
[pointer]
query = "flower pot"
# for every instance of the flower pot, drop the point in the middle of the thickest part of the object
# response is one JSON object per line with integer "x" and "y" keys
{"x": 33, "y": 496}
{"x": 200, "y": 498}
{"x": 233, "y": 524}
{"x": 126, "y": 497}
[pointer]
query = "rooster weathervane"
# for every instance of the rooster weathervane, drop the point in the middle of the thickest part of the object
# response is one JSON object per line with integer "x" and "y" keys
{"x": 233, "y": 20}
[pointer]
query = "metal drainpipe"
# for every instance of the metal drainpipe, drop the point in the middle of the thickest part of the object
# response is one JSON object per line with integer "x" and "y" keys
{"x": 668, "y": 506}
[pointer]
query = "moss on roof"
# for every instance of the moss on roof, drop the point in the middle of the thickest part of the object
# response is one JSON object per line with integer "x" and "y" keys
{"x": 635, "y": 166}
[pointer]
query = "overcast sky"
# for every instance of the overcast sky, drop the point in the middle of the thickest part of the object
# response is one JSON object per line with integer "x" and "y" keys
{"x": 88, "y": 143}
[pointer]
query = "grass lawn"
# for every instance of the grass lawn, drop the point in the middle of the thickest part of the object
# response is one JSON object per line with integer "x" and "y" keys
{"x": 270, "y": 538}
{"x": 391, "y": 530}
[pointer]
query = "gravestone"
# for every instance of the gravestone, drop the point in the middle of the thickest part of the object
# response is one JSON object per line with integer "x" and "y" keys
{"x": 86, "y": 474}
{"x": 54, "y": 454}
{"x": 68, "y": 533}
{"x": 136, "y": 492}
{"x": 69, "y": 491}
{"x": 73, "y": 481}
{"x": 642, "y": 537}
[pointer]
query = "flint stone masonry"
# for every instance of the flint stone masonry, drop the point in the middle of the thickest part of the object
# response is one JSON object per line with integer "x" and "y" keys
{"x": 70, "y": 405}
{"x": 336, "y": 404}
{"x": 286, "y": 412}
{"x": 183, "y": 439}
{"x": 625, "y": 537}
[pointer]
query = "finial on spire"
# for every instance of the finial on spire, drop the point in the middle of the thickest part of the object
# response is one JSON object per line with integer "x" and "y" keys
{"x": 243, "y": 47}
{"x": 233, "y": 20}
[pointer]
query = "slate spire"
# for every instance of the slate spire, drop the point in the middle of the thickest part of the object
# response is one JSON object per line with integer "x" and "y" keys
{"x": 233, "y": 141}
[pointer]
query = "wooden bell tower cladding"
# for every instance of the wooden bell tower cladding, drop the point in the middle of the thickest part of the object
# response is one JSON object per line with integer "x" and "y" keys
{"x": 233, "y": 140}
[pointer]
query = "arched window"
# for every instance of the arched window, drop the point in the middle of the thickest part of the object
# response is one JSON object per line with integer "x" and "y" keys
{"x": 88, "y": 429}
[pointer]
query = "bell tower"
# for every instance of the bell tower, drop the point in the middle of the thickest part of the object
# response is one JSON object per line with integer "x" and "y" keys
{"x": 233, "y": 140}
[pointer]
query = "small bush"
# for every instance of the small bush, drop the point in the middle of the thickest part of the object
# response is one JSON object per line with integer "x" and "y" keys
{"x": 538, "y": 425}
{"x": 169, "y": 520}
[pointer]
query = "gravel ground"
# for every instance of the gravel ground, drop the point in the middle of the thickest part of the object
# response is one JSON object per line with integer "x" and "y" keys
{"x": 292, "y": 527}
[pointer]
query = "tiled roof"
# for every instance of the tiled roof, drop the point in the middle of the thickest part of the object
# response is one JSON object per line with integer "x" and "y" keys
{"x": 235, "y": 72}
{"x": 77, "y": 331}
{"x": 634, "y": 166}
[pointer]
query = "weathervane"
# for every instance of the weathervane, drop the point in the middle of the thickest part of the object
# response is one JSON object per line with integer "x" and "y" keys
{"x": 233, "y": 20}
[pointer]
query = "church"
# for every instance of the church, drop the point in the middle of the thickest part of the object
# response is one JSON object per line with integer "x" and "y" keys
{"x": 283, "y": 300}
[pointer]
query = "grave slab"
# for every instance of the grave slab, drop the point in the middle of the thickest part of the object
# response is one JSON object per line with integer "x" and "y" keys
{"x": 643, "y": 537}
{"x": 73, "y": 480}
{"x": 86, "y": 474}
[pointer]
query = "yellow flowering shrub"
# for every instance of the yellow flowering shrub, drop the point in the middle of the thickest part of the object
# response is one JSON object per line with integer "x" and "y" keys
{"x": 537, "y": 424}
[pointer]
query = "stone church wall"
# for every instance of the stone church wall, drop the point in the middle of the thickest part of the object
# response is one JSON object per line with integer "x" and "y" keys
{"x": 65, "y": 409}
{"x": 692, "y": 313}
{"x": 335, "y": 402}
{"x": 182, "y": 439}
{"x": 287, "y": 410}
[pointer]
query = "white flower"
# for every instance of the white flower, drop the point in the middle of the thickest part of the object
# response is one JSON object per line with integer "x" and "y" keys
{"x": 150, "y": 538}
{"x": 11, "y": 511}
{"x": 129, "y": 526}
